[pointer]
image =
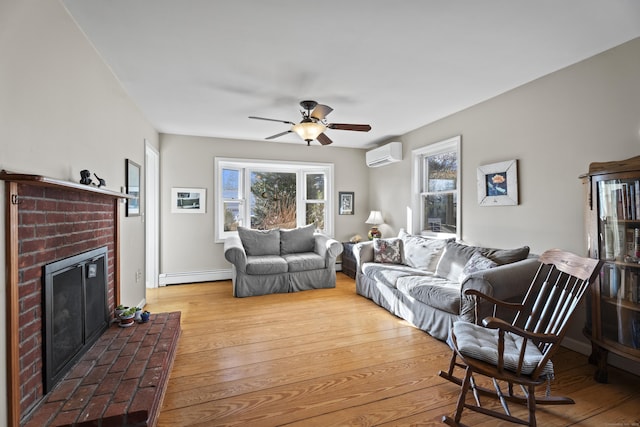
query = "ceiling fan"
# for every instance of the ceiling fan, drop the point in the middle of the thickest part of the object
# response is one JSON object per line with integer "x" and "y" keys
{"x": 314, "y": 124}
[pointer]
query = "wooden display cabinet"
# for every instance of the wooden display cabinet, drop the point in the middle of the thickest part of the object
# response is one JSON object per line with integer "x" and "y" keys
{"x": 613, "y": 235}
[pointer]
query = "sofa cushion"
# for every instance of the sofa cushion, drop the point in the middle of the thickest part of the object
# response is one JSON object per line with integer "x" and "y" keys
{"x": 436, "y": 292}
{"x": 477, "y": 262}
{"x": 297, "y": 240}
{"x": 304, "y": 261}
{"x": 387, "y": 251}
{"x": 260, "y": 242}
{"x": 388, "y": 274}
{"x": 266, "y": 264}
{"x": 453, "y": 260}
{"x": 422, "y": 252}
{"x": 506, "y": 256}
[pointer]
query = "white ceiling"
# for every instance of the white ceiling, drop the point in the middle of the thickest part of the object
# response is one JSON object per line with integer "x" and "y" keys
{"x": 201, "y": 67}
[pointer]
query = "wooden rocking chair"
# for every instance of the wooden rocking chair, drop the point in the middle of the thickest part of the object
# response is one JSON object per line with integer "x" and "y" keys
{"x": 519, "y": 352}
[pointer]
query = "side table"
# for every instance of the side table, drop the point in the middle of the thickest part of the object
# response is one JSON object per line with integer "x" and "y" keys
{"x": 348, "y": 260}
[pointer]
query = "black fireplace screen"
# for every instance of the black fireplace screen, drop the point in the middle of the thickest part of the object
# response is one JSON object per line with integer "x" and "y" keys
{"x": 75, "y": 310}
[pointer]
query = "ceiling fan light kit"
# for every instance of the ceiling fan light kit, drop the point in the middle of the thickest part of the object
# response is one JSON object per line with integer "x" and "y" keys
{"x": 313, "y": 124}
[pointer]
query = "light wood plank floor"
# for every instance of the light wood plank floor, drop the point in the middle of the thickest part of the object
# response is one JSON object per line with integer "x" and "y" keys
{"x": 333, "y": 358}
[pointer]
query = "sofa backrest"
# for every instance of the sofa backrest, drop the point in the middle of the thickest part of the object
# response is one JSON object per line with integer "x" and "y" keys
{"x": 277, "y": 241}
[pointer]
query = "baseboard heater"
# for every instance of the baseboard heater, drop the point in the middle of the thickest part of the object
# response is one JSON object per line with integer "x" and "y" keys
{"x": 194, "y": 277}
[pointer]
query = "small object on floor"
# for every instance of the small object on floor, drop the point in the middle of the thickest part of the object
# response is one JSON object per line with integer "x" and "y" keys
{"x": 144, "y": 317}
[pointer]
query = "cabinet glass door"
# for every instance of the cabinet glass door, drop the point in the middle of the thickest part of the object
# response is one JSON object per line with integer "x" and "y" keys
{"x": 619, "y": 229}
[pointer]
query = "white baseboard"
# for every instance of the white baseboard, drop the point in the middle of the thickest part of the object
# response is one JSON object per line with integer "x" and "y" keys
{"x": 583, "y": 347}
{"x": 165, "y": 279}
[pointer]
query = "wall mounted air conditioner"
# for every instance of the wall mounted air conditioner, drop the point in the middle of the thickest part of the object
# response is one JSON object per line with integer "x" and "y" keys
{"x": 388, "y": 153}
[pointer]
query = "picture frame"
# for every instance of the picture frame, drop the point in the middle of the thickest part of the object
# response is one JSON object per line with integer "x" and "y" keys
{"x": 346, "y": 203}
{"x": 188, "y": 200}
{"x": 132, "y": 187}
{"x": 498, "y": 184}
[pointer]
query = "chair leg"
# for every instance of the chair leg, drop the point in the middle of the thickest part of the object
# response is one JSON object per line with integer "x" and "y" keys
{"x": 464, "y": 388}
{"x": 531, "y": 404}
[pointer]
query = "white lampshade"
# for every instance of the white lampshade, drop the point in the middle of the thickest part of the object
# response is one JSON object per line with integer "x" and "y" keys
{"x": 308, "y": 130}
{"x": 375, "y": 217}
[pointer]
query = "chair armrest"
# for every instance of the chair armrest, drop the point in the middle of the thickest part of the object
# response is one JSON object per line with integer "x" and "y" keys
{"x": 327, "y": 247}
{"x": 362, "y": 252}
{"x": 234, "y": 253}
{"x": 497, "y": 302}
{"x": 495, "y": 323}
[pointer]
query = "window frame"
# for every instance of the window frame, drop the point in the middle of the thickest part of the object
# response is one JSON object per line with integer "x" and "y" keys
{"x": 246, "y": 166}
{"x": 415, "y": 222}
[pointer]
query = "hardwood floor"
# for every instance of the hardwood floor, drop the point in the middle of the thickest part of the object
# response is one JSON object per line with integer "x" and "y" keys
{"x": 333, "y": 358}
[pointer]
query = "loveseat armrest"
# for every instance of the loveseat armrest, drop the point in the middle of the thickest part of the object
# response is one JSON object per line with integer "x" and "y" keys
{"x": 327, "y": 247}
{"x": 234, "y": 252}
{"x": 506, "y": 282}
{"x": 362, "y": 252}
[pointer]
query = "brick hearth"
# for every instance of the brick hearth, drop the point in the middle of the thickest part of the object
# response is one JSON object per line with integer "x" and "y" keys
{"x": 120, "y": 381}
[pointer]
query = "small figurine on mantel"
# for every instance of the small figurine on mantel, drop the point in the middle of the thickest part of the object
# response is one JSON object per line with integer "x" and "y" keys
{"x": 101, "y": 182}
{"x": 85, "y": 177}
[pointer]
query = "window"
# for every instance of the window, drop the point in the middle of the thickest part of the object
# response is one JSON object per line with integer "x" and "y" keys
{"x": 264, "y": 195}
{"x": 436, "y": 178}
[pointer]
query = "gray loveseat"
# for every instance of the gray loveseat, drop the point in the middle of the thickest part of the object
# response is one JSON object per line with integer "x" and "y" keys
{"x": 423, "y": 280}
{"x": 280, "y": 261}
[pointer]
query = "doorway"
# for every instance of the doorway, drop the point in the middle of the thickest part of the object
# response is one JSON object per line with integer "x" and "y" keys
{"x": 152, "y": 215}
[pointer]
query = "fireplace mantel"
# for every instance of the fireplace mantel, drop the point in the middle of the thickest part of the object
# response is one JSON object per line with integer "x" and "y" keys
{"x": 14, "y": 184}
{"x": 52, "y": 182}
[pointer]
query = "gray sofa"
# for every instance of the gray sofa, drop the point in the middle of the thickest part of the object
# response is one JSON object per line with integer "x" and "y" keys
{"x": 423, "y": 280}
{"x": 280, "y": 261}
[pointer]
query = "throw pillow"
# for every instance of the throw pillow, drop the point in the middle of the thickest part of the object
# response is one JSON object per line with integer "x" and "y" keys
{"x": 422, "y": 252}
{"x": 260, "y": 242}
{"x": 297, "y": 240}
{"x": 387, "y": 251}
{"x": 477, "y": 262}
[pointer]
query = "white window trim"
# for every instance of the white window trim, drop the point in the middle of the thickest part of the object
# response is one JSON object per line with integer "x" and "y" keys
{"x": 414, "y": 219}
{"x": 277, "y": 166}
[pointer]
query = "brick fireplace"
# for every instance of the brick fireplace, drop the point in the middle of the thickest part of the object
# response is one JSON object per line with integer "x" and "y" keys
{"x": 47, "y": 220}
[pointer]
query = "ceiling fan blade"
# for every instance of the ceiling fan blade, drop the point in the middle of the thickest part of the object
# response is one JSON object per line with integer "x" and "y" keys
{"x": 324, "y": 139}
{"x": 279, "y": 134}
{"x": 347, "y": 126}
{"x": 272, "y": 120}
{"x": 321, "y": 111}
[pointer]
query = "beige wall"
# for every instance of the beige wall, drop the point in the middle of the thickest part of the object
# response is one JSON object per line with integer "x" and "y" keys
{"x": 555, "y": 126}
{"x": 188, "y": 240}
{"x": 62, "y": 110}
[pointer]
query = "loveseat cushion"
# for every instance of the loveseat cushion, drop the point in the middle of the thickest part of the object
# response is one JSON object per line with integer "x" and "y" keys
{"x": 506, "y": 256}
{"x": 260, "y": 242}
{"x": 304, "y": 261}
{"x": 387, "y": 251}
{"x": 433, "y": 291}
{"x": 297, "y": 240}
{"x": 422, "y": 252}
{"x": 266, "y": 264}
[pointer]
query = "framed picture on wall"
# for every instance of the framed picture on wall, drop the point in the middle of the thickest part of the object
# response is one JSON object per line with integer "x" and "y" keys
{"x": 498, "y": 184}
{"x": 132, "y": 183}
{"x": 188, "y": 200}
{"x": 345, "y": 203}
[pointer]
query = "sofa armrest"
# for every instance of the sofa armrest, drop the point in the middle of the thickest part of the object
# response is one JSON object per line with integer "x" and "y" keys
{"x": 504, "y": 282}
{"x": 234, "y": 252}
{"x": 362, "y": 252}
{"x": 327, "y": 247}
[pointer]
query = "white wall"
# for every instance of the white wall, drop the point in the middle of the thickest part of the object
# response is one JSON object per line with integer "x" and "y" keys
{"x": 62, "y": 110}
{"x": 188, "y": 239}
{"x": 555, "y": 126}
